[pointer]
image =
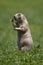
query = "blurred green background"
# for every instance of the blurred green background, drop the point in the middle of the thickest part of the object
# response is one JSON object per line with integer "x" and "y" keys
{"x": 9, "y": 53}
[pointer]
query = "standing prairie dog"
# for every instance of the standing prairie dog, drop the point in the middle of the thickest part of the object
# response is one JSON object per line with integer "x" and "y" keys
{"x": 20, "y": 24}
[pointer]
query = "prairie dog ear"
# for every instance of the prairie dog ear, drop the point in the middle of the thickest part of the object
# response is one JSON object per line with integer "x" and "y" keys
{"x": 24, "y": 17}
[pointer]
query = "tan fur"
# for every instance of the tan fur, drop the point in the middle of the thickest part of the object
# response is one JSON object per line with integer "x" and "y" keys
{"x": 20, "y": 24}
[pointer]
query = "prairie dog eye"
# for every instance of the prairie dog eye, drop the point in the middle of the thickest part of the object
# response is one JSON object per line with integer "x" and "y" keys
{"x": 19, "y": 14}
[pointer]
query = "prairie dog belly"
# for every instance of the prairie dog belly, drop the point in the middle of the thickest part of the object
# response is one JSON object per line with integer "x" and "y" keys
{"x": 25, "y": 39}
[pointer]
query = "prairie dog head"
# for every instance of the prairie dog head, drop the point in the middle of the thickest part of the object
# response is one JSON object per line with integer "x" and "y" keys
{"x": 18, "y": 19}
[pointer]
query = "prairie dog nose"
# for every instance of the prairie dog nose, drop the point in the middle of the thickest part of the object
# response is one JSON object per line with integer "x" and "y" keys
{"x": 12, "y": 20}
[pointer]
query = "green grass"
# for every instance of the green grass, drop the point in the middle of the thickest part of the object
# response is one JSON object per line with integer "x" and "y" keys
{"x": 9, "y": 53}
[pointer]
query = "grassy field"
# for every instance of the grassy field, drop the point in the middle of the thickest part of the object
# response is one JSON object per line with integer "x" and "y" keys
{"x": 9, "y": 53}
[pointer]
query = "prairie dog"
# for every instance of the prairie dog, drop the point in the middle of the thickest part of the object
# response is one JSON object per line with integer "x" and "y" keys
{"x": 20, "y": 24}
